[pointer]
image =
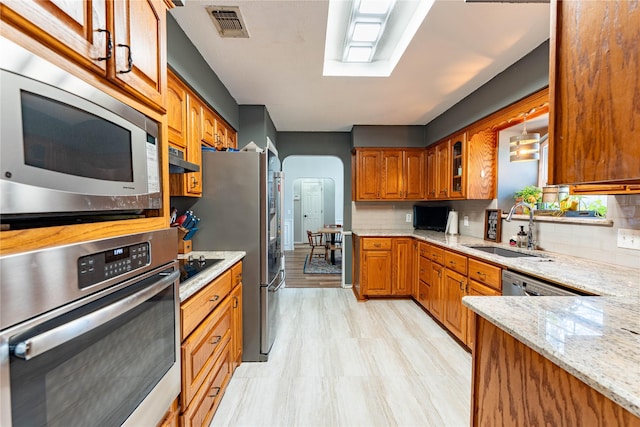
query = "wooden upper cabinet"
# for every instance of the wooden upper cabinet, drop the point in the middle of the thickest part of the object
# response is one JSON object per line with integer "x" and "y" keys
{"x": 208, "y": 127}
{"x": 193, "y": 180}
{"x": 390, "y": 174}
{"x": 480, "y": 173}
{"x": 392, "y": 184}
{"x": 415, "y": 174}
{"x": 457, "y": 167}
{"x": 594, "y": 118}
{"x": 176, "y": 111}
{"x": 75, "y": 29}
{"x": 438, "y": 171}
{"x": 102, "y": 36}
{"x": 140, "y": 46}
{"x": 432, "y": 173}
{"x": 368, "y": 172}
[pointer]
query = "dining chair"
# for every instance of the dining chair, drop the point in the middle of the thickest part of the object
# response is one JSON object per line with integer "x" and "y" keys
{"x": 315, "y": 241}
{"x": 333, "y": 241}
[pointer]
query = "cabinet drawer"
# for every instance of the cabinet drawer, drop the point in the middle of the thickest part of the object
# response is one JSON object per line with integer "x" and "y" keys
{"x": 424, "y": 249}
{"x": 455, "y": 262}
{"x": 376, "y": 244}
{"x": 195, "y": 309}
{"x": 485, "y": 273}
{"x": 200, "y": 411}
{"x": 236, "y": 274}
{"x": 202, "y": 347}
{"x": 423, "y": 294}
{"x": 478, "y": 289}
{"x": 425, "y": 270}
{"x": 436, "y": 254}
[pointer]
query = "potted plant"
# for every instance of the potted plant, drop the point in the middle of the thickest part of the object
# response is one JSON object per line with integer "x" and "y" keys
{"x": 529, "y": 194}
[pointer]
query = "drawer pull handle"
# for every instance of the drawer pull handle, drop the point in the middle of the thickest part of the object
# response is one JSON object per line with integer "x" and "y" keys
{"x": 215, "y": 298}
{"x": 215, "y": 391}
{"x": 481, "y": 274}
{"x": 422, "y": 270}
{"x": 235, "y": 302}
{"x": 216, "y": 339}
{"x": 452, "y": 262}
{"x": 377, "y": 245}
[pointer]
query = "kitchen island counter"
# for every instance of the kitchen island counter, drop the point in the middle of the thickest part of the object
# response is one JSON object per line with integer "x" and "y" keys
{"x": 197, "y": 282}
{"x": 595, "y": 339}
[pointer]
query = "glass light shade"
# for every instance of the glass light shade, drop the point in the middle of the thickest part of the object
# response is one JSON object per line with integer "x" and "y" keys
{"x": 524, "y": 147}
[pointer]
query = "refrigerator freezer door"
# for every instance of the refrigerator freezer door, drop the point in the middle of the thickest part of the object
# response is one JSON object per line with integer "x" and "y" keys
{"x": 270, "y": 297}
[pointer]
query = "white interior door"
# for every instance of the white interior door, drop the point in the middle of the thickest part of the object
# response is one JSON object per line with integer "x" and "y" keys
{"x": 312, "y": 204}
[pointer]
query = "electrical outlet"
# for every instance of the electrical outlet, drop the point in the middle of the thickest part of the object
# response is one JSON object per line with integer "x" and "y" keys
{"x": 465, "y": 221}
{"x": 629, "y": 239}
{"x": 408, "y": 218}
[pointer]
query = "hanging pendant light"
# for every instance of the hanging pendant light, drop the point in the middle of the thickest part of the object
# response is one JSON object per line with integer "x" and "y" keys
{"x": 524, "y": 147}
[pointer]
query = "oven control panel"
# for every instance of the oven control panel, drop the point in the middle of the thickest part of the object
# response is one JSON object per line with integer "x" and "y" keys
{"x": 101, "y": 266}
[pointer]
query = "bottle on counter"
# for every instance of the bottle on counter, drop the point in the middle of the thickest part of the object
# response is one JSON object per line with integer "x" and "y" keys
{"x": 522, "y": 237}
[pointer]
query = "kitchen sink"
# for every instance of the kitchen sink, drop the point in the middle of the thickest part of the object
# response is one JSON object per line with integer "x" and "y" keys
{"x": 507, "y": 253}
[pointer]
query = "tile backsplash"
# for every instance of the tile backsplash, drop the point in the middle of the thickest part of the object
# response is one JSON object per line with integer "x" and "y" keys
{"x": 581, "y": 240}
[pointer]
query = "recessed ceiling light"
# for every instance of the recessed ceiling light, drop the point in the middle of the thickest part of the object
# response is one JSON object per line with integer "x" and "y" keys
{"x": 377, "y": 7}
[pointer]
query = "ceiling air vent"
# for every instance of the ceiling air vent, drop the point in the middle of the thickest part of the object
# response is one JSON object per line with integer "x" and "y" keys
{"x": 228, "y": 21}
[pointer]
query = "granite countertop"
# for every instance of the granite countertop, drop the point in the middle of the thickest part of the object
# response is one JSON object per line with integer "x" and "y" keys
{"x": 596, "y": 339}
{"x": 586, "y": 275}
{"x": 195, "y": 283}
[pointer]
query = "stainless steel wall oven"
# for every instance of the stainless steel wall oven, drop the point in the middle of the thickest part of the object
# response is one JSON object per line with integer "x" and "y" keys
{"x": 90, "y": 333}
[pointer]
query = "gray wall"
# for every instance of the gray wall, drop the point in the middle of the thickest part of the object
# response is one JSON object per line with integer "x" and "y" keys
{"x": 186, "y": 61}
{"x": 325, "y": 144}
{"x": 256, "y": 125}
{"x": 388, "y": 136}
{"x": 528, "y": 75}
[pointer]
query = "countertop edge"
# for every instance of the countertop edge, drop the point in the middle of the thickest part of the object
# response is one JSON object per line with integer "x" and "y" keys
{"x": 191, "y": 286}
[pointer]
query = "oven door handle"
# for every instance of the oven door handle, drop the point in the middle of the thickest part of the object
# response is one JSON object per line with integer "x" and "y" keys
{"x": 49, "y": 340}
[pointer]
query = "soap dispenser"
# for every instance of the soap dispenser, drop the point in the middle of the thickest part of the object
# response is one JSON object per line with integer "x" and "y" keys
{"x": 522, "y": 238}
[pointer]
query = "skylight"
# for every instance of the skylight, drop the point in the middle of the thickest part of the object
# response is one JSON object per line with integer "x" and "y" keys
{"x": 368, "y": 37}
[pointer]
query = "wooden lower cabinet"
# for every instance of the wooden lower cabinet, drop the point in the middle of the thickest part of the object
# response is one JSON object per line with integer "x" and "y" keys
{"x": 455, "y": 315}
{"x": 476, "y": 289}
{"x": 437, "y": 295}
{"x": 211, "y": 345}
{"x": 171, "y": 418}
{"x": 385, "y": 267}
{"x": 402, "y": 267}
{"x": 515, "y": 386}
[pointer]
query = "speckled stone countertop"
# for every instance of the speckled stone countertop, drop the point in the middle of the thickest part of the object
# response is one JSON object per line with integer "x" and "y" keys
{"x": 596, "y": 339}
{"x": 589, "y": 276}
{"x": 195, "y": 283}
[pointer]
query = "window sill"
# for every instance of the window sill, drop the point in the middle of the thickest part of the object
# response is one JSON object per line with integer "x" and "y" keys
{"x": 602, "y": 222}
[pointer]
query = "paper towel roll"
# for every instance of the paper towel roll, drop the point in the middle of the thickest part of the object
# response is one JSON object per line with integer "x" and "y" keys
{"x": 452, "y": 223}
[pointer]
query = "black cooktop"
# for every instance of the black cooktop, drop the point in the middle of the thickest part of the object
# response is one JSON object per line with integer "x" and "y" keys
{"x": 191, "y": 266}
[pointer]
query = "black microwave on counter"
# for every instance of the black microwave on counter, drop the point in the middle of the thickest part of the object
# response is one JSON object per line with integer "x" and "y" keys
{"x": 430, "y": 217}
{"x": 68, "y": 148}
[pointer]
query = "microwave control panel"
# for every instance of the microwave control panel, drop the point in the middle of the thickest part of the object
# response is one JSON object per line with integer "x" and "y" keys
{"x": 101, "y": 266}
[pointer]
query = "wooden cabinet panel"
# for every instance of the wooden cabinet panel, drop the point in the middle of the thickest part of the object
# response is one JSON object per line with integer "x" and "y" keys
{"x": 193, "y": 180}
{"x": 176, "y": 111}
{"x": 455, "y": 262}
{"x": 139, "y": 45}
{"x": 432, "y": 173}
{"x": 594, "y": 82}
{"x": 368, "y": 176}
{"x": 442, "y": 171}
{"x": 197, "y": 307}
{"x": 424, "y": 290}
{"x": 425, "y": 269}
{"x": 415, "y": 175}
{"x": 73, "y": 29}
{"x": 171, "y": 418}
{"x": 382, "y": 243}
{"x": 202, "y": 347}
{"x": 455, "y": 314}
{"x": 481, "y": 171}
{"x": 487, "y": 274}
{"x": 376, "y": 274}
{"x": 392, "y": 174}
{"x": 423, "y": 249}
{"x": 402, "y": 268}
{"x": 204, "y": 404}
{"x": 457, "y": 167}
{"x": 236, "y": 325}
{"x": 436, "y": 254}
{"x": 208, "y": 127}
{"x": 437, "y": 296}
{"x": 509, "y": 376}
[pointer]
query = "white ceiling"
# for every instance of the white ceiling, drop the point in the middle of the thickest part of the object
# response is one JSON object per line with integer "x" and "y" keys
{"x": 459, "y": 47}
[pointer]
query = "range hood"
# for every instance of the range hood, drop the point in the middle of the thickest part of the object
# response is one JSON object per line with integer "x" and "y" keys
{"x": 177, "y": 163}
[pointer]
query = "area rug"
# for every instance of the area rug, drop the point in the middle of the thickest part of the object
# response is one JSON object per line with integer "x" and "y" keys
{"x": 320, "y": 266}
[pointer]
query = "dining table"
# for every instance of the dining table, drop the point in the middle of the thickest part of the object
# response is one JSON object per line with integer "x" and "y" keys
{"x": 332, "y": 232}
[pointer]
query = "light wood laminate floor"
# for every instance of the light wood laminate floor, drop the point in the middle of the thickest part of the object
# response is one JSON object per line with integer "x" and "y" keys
{"x": 337, "y": 362}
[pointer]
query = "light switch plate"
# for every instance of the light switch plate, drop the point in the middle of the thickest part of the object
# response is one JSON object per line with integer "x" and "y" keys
{"x": 629, "y": 239}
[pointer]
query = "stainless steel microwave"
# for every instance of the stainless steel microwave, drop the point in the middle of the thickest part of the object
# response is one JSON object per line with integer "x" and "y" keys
{"x": 69, "y": 148}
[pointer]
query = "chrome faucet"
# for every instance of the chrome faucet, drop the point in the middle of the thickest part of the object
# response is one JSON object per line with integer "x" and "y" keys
{"x": 530, "y": 241}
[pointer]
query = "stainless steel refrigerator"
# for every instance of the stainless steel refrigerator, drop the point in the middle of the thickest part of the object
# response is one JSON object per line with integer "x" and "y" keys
{"x": 240, "y": 209}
